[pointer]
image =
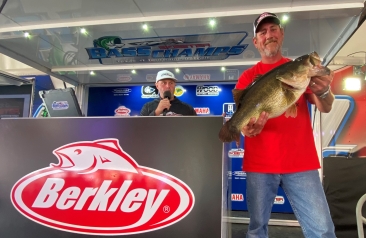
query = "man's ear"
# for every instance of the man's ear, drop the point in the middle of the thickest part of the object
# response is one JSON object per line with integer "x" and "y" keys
{"x": 255, "y": 41}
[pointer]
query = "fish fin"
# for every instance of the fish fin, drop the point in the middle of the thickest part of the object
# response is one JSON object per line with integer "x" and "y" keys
{"x": 257, "y": 77}
{"x": 237, "y": 94}
{"x": 226, "y": 134}
{"x": 291, "y": 111}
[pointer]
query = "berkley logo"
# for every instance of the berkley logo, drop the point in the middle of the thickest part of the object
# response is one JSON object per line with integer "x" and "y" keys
{"x": 122, "y": 111}
{"x": 97, "y": 188}
{"x": 236, "y": 153}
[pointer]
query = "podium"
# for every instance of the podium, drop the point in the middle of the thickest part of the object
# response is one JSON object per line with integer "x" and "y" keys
{"x": 148, "y": 177}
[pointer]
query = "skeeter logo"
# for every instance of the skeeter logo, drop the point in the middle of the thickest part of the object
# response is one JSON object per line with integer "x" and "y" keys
{"x": 97, "y": 188}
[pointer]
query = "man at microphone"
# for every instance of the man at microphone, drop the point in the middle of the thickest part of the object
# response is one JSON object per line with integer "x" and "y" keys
{"x": 167, "y": 104}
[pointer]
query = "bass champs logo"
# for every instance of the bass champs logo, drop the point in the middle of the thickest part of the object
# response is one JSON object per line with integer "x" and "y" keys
{"x": 97, "y": 188}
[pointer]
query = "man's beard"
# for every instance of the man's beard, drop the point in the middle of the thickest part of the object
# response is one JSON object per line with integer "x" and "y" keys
{"x": 271, "y": 52}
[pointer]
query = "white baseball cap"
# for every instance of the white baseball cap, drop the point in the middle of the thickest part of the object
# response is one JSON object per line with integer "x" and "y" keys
{"x": 165, "y": 74}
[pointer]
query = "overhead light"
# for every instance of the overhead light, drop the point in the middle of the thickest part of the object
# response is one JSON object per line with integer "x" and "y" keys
{"x": 145, "y": 27}
{"x": 285, "y": 18}
{"x": 177, "y": 70}
{"x": 26, "y": 34}
{"x": 83, "y": 31}
{"x": 92, "y": 73}
{"x": 133, "y": 71}
{"x": 212, "y": 22}
{"x": 352, "y": 84}
{"x": 223, "y": 68}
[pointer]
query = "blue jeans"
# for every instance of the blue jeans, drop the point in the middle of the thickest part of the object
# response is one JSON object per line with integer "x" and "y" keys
{"x": 305, "y": 194}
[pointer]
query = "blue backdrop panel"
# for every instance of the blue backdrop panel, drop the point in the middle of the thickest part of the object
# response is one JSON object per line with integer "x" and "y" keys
{"x": 210, "y": 99}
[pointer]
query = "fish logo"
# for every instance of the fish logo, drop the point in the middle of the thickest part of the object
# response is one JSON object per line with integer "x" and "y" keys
{"x": 97, "y": 188}
{"x": 179, "y": 91}
{"x": 109, "y": 42}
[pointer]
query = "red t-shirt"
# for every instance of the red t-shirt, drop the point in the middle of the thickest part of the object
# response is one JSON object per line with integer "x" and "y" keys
{"x": 285, "y": 145}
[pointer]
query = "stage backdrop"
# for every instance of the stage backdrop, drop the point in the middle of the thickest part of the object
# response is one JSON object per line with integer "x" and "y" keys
{"x": 207, "y": 99}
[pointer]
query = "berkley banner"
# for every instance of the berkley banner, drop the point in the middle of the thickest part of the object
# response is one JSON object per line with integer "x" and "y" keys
{"x": 98, "y": 176}
{"x": 111, "y": 176}
{"x": 117, "y": 50}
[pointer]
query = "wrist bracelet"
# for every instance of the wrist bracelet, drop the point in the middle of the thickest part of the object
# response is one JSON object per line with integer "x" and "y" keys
{"x": 325, "y": 94}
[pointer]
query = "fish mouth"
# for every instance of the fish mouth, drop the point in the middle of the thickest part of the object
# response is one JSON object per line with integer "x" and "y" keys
{"x": 65, "y": 161}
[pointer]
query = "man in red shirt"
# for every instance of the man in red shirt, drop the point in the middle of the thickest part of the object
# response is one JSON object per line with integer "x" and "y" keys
{"x": 281, "y": 151}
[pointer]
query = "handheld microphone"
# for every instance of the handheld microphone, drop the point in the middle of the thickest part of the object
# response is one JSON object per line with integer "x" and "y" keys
{"x": 167, "y": 94}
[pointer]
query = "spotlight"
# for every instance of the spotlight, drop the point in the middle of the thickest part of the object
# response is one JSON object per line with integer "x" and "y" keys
{"x": 285, "y": 18}
{"x": 177, "y": 70}
{"x": 145, "y": 27}
{"x": 83, "y": 31}
{"x": 212, "y": 22}
{"x": 92, "y": 73}
{"x": 133, "y": 71}
{"x": 26, "y": 34}
{"x": 352, "y": 84}
{"x": 223, "y": 68}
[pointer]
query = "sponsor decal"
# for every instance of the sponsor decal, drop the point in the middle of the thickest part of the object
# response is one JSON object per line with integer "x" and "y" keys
{"x": 151, "y": 77}
{"x": 122, "y": 111}
{"x": 60, "y": 105}
{"x": 228, "y": 109}
{"x": 236, "y": 153}
{"x": 197, "y": 77}
{"x": 231, "y": 74}
{"x": 149, "y": 92}
{"x": 124, "y": 77}
{"x": 121, "y": 91}
{"x": 179, "y": 91}
{"x": 238, "y": 197}
{"x": 279, "y": 200}
{"x": 97, "y": 188}
{"x": 207, "y": 90}
{"x": 202, "y": 110}
{"x": 115, "y": 50}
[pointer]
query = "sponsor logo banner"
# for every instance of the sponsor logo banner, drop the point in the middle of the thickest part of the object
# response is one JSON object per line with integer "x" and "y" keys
{"x": 279, "y": 200}
{"x": 209, "y": 90}
{"x": 238, "y": 197}
{"x": 202, "y": 110}
{"x": 197, "y": 77}
{"x": 60, "y": 105}
{"x": 124, "y": 77}
{"x": 236, "y": 153}
{"x": 149, "y": 92}
{"x": 179, "y": 91}
{"x": 97, "y": 188}
{"x": 116, "y": 50}
{"x": 121, "y": 91}
{"x": 122, "y": 111}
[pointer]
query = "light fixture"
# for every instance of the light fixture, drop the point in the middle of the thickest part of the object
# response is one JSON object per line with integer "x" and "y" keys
{"x": 26, "y": 34}
{"x": 91, "y": 73}
{"x": 133, "y": 71}
{"x": 145, "y": 27}
{"x": 352, "y": 84}
{"x": 177, "y": 70}
{"x": 285, "y": 18}
{"x": 212, "y": 22}
{"x": 83, "y": 31}
{"x": 223, "y": 68}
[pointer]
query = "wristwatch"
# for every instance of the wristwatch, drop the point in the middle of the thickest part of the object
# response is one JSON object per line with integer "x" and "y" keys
{"x": 325, "y": 94}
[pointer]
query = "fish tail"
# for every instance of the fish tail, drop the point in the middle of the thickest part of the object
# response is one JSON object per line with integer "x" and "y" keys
{"x": 228, "y": 133}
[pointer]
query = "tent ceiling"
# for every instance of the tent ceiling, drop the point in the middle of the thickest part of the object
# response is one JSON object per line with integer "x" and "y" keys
{"x": 57, "y": 47}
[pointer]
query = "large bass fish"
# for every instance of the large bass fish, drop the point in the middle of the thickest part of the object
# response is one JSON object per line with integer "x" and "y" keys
{"x": 275, "y": 92}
